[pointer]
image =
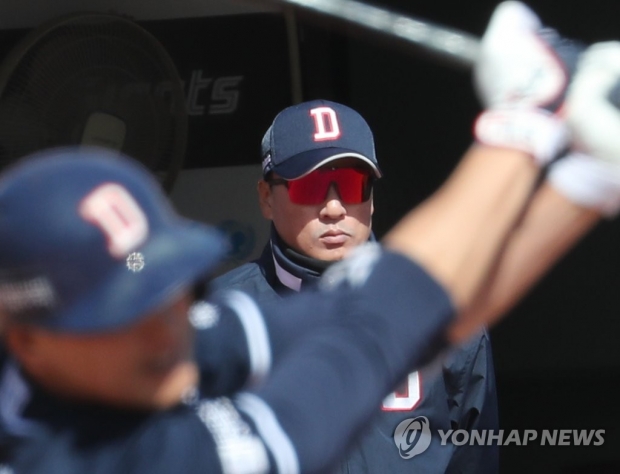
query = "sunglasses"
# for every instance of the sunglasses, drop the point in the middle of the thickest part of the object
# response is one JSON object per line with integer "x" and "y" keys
{"x": 354, "y": 185}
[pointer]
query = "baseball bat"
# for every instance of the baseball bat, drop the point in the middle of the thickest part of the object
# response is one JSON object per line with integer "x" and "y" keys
{"x": 451, "y": 46}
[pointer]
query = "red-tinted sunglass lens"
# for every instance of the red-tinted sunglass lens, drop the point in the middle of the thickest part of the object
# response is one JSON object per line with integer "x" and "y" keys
{"x": 311, "y": 189}
{"x": 353, "y": 186}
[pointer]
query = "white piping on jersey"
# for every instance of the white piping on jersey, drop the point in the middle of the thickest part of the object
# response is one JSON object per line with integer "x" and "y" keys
{"x": 239, "y": 449}
{"x": 256, "y": 333}
{"x": 272, "y": 434}
{"x": 288, "y": 279}
{"x": 14, "y": 395}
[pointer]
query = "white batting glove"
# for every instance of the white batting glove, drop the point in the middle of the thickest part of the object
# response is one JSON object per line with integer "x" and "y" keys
{"x": 592, "y": 115}
{"x": 588, "y": 182}
{"x": 517, "y": 65}
{"x": 590, "y": 176}
{"x": 521, "y": 80}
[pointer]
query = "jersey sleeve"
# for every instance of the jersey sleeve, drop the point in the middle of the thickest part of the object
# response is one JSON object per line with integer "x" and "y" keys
{"x": 391, "y": 319}
{"x": 224, "y": 349}
{"x": 238, "y": 340}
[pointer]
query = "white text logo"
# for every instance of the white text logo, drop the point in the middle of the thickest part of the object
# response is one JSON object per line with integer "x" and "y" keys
{"x": 223, "y": 97}
{"x": 326, "y": 124}
{"x": 518, "y": 438}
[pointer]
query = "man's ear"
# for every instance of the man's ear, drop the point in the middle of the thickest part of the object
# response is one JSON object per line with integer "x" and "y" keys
{"x": 22, "y": 343}
{"x": 265, "y": 199}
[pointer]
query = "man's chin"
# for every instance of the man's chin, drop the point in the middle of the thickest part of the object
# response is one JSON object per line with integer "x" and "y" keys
{"x": 333, "y": 253}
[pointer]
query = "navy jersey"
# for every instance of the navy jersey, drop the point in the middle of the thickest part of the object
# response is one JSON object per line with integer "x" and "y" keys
{"x": 287, "y": 423}
{"x": 458, "y": 393}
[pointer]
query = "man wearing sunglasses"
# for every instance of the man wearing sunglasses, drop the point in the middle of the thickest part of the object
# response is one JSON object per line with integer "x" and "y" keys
{"x": 97, "y": 276}
{"x": 319, "y": 167}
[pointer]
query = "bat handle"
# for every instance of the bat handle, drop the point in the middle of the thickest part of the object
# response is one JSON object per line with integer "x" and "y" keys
{"x": 450, "y": 45}
{"x": 455, "y": 46}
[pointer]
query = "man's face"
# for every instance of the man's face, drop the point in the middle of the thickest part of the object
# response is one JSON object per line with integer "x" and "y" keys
{"x": 325, "y": 231}
{"x": 146, "y": 365}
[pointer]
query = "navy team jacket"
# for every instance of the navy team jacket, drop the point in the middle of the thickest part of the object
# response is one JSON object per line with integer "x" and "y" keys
{"x": 456, "y": 394}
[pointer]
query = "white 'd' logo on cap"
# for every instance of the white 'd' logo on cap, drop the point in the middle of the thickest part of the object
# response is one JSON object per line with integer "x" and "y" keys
{"x": 326, "y": 124}
{"x": 111, "y": 208}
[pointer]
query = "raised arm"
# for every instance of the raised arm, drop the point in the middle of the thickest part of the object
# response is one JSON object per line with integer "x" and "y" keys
{"x": 458, "y": 232}
{"x": 580, "y": 190}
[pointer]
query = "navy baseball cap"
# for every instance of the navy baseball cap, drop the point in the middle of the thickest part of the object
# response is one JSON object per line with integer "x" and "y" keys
{"x": 306, "y": 136}
{"x": 90, "y": 242}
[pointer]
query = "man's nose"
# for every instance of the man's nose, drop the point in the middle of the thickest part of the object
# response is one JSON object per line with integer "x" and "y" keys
{"x": 333, "y": 207}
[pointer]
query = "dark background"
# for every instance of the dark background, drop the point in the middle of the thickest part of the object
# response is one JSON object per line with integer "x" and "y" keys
{"x": 557, "y": 357}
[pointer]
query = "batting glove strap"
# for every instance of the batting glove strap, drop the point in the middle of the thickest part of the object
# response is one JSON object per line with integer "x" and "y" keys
{"x": 534, "y": 131}
{"x": 588, "y": 182}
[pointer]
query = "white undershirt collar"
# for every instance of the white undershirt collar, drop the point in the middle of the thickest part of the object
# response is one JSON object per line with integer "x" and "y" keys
{"x": 286, "y": 278}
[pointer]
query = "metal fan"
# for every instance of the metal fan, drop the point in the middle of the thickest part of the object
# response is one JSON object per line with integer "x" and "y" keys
{"x": 93, "y": 79}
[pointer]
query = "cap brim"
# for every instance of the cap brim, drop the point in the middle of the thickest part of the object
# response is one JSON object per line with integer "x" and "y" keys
{"x": 174, "y": 259}
{"x": 304, "y": 163}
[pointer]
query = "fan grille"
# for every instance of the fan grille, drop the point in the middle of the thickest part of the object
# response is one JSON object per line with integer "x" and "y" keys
{"x": 65, "y": 75}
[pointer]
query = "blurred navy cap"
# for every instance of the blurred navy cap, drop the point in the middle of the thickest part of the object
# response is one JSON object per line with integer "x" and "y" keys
{"x": 90, "y": 242}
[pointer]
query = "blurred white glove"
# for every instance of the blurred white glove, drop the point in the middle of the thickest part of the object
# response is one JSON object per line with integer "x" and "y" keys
{"x": 518, "y": 66}
{"x": 522, "y": 80}
{"x": 588, "y": 182}
{"x": 592, "y": 116}
{"x": 590, "y": 176}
